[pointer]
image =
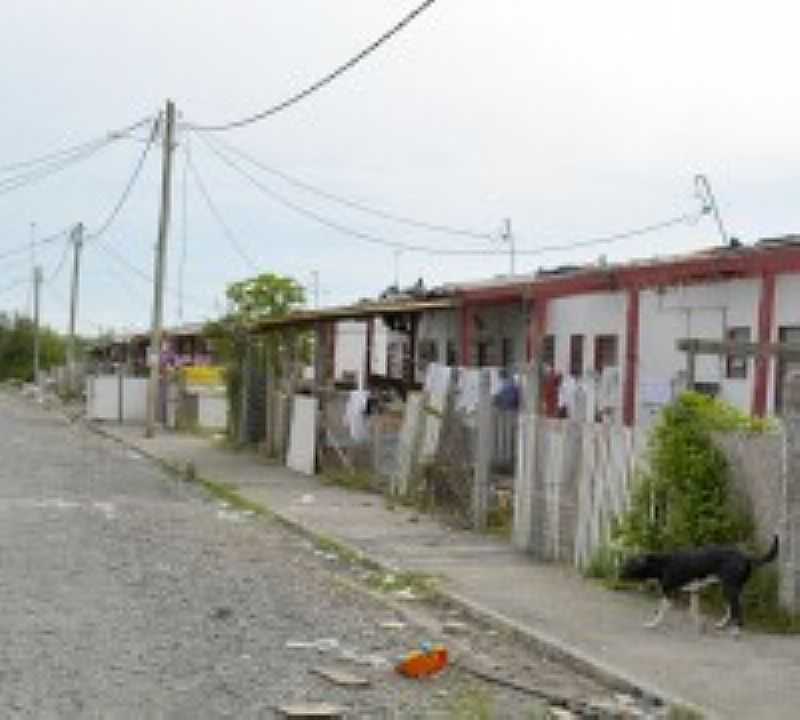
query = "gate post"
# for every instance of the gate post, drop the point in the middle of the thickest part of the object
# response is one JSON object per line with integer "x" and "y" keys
{"x": 789, "y": 554}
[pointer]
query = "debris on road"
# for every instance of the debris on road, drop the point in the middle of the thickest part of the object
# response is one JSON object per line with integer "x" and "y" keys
{"x": 342, "y": 677}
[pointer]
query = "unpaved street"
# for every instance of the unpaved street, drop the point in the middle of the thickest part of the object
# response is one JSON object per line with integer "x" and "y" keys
{"x": 128, "y": 593}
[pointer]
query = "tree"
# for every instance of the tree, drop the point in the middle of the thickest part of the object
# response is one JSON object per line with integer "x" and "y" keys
{"x": 16, "y": 348}
{"x": 265, "y": 296}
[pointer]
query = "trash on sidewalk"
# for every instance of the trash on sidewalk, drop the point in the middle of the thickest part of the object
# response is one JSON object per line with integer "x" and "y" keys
{"x": 341, "y": 677}
{"x": 455, "y": 627}
{"x": 428, "y": 660}
{"x": 311, "y": 711}
{"x": 307, "y": 499}
{"x": 322, "y": 645}
{"x": 230, "y": 515}
{"x": 392, "y": 625}
{"x": 373, "y": 660}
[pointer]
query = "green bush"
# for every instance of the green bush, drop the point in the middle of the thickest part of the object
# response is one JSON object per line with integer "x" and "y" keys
{"x": 683, "y": 498}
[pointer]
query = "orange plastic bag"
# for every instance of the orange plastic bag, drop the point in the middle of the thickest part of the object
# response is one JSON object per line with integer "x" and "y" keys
{"x": 424, "y": 662}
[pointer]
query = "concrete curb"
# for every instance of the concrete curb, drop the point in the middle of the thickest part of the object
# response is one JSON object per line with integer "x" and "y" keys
{"x": 550, "y": 646}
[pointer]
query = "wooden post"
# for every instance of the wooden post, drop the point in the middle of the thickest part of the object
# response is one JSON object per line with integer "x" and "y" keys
{"x": 691, "y": 366}
{"x": 789, "y": 553}
{"x": 483, "y": 455}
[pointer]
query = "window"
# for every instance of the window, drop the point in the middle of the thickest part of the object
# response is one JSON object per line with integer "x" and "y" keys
{"x": 549, "y": 351}
{"x": 576, "y": 355}
{"x": 736, "y": 366}
{"x": 605, "y": 352}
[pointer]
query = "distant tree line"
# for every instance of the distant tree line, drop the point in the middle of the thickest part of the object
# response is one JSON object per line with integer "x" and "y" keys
{"x": 16, "y": 348}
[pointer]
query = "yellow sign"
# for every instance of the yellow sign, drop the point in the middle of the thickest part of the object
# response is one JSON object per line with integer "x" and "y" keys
{"x": 208, "y": 375}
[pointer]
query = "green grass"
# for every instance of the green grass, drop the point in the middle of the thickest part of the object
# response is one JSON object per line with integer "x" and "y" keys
{"x": 422, "y": 585}
{"x": 681, "y": 712}
{"x": 358, "y": 480}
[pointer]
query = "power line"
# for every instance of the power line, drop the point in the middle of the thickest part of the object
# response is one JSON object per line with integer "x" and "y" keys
{"x": 325, "y": 80}
{"x": 464, "y": 252}
{"x": 60, "y": 264}
{"x": 77, "y": 149}
{"x": 226, "y": 229}
{"x": 27, "y": 178}
{"x": 36, "y": 243}
{"x": 402, "y": 219}
{"x": 128, "y": 186}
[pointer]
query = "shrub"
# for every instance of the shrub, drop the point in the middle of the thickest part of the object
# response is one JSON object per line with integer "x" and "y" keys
{"x": 683, "y": 498}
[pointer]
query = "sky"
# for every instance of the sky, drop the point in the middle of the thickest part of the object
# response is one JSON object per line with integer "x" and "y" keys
{"x": 575, "y": 120}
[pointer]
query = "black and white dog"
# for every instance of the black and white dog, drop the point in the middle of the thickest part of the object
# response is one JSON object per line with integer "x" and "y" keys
{"x": 691, "y": 570}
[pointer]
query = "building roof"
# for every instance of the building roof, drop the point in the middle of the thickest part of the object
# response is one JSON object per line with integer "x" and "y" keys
{"x": 779, "y": 254}
{"x": 359, "y": 311}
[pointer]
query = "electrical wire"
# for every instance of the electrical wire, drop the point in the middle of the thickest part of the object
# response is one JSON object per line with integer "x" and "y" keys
{"x": 16, "y": 182}
{"x": 184, "y": 224}
{"x": 137, "y": 170}
{"x": 212, "y": 207}
{"x": 76, "y": 149}
{"x": 354, "y": 205}
{"x": 322, "y": 82}
{"x": 60, "y": 265}
{"x": 35, "y": 243}
{"x": 464, "y": 252}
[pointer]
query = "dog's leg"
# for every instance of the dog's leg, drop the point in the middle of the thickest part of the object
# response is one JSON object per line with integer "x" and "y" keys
{"x": 659, "y": 616}
{"x": 732, "y": 595}
{"x": 725, "y": 621}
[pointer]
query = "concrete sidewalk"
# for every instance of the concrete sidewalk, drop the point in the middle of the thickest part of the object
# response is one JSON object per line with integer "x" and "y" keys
{"x": 754, "y": 676}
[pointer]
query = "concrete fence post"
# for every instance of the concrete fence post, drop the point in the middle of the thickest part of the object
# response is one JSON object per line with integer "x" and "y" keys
{"x": 528, "y": 513}
{"x": 483, "y": 455}
{"x": 789, "y": 557}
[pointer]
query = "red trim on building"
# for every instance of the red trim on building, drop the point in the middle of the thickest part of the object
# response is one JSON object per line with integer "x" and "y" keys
{"x": 718, "y": 265}
{"x": 766, "y": 315}
{"x": 631, "y": 358}
{"x": 537, "y": 327}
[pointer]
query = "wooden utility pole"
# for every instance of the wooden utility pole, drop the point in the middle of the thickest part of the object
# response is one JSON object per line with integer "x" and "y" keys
{"x": 154, "y": 355}
{"x": 37, "y": 286}
{"x": 77, "y": 240}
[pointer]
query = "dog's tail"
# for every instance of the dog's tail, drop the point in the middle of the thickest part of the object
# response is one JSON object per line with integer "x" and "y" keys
{"x": 771, "y": 554}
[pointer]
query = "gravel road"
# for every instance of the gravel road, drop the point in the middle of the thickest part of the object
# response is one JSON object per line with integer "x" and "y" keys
{"x": 128, "y": 593}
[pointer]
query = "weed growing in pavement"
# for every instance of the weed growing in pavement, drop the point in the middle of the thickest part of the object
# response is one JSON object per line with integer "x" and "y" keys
{"x": 421, "y": 585}
{"x": 681, "y": 712}
{"x": 358, "y": 480}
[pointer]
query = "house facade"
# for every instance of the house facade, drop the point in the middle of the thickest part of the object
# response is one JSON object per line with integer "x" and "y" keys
{"x": 599, "y": 319}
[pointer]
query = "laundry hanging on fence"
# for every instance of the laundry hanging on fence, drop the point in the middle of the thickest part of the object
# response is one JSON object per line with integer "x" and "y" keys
{"x": 355, "y": 415}
{"x": 437, "y": 379}
{"x": 468, "y": 387}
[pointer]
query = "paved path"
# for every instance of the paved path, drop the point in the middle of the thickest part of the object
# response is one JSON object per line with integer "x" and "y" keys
{"x": 754, "y": 676}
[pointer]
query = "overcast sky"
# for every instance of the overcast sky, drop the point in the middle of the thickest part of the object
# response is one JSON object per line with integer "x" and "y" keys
{"x": 576, "y": 120}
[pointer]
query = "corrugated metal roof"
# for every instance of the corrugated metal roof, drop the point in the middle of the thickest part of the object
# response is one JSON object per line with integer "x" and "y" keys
{"x": 358, "y": 311}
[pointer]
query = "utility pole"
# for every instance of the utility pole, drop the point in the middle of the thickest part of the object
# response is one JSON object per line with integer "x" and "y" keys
{"x": 508, "y": 237}
{"x": 77, "y": 241}
{"x": 154, "y": 355}
{"x": 37, "y": 284}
